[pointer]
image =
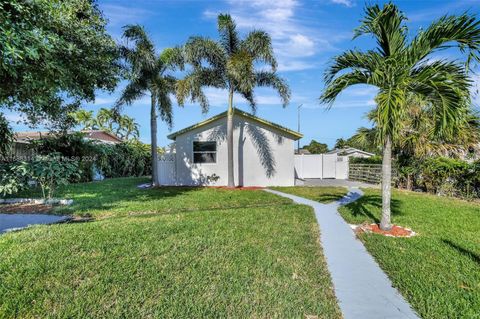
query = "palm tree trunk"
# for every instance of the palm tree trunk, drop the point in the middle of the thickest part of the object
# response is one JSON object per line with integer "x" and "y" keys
{"x": 385, "y": 223}
{"x": 231, "y": 177}
{"x": 153, "y": 132}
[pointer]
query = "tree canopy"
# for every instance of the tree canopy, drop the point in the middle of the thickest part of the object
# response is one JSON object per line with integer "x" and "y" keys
{"x": 316, "y": 147}
{"x": 54, "y": 54}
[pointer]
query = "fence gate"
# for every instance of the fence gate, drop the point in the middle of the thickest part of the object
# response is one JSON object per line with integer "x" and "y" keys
{"x": 329, "y": 165}
{"x": 321, "y": 166}
{"x": 166, "y": 169}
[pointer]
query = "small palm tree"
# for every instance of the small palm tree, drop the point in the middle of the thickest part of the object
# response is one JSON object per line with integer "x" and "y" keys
{"x": 148, "y": 75}
{"x": 85, "y": 119}
{"x": 399, "y": 68}
{"x": 417, "y": 138}
{"x": 230, "y": 64}
{"x": 127, "y": 128}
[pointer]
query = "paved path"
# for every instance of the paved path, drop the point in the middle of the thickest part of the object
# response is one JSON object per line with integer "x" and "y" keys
{"x": 362, "y": 288}
{"x": 18, "y": 221}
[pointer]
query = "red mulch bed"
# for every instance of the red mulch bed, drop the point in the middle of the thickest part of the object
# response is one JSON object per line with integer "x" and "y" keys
{"x": 25, "y": 208}
{"x": 396, "y": 231}
{"x": 240, "y": 188}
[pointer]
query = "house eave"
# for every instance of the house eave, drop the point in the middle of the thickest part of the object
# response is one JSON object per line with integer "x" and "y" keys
{"x": 295, "y": 135}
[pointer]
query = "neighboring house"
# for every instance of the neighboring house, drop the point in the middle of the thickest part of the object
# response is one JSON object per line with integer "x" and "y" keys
{"x": 23, "y": 139}
{"x": 263, "y": 153}
{"x": 93, "y": 135}
{"x": 351, "y": 152}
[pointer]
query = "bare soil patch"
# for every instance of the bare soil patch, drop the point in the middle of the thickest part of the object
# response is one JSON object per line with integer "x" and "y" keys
{"x": 25, "y": 208}
{"x": 395, "y": 231}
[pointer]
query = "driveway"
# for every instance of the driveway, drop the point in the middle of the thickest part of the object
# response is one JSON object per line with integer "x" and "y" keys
{"x": 333, "y": 182}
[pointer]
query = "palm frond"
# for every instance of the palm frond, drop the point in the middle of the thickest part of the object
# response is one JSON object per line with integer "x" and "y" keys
{"x": 271, "y": 79}
{"x": 340, "y": 83}
{"x": 386, "y": 25}
{"x": 199, "y": 49}
{"x": 355, "y": 60}
{"x": 241, "y": 71}
{"x": 449, "y": 31}
{"x": 259, "y": 45}
{"x": 228, "y": 33}
{"x": 132, "y": 92}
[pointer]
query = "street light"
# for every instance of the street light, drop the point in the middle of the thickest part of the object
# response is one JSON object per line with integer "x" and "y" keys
{"x": 298, "y": 130}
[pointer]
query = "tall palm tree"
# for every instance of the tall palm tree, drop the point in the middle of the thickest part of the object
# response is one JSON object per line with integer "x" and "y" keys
{"x": 148, "y": 75}
{"x": 399, "y": 67}
{"x": 230, "y": 64}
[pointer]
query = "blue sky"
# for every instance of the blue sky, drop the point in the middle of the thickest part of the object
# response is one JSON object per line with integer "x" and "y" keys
{"x": 305, "y": 34}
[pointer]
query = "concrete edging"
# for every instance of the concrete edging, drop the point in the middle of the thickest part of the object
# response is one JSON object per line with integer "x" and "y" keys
{"x": 52, "y": 201}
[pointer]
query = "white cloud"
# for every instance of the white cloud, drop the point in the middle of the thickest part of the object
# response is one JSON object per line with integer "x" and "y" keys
{"x": 362, "y": 90}
{"x": 14, "y": 117}
{"x": 347, "y": 3}
{"x": 120, "y": 15}
{"x": 108, "y": 100}
{"x": 292, "y": 39}
{"x": 294, "y": 65}
{"x": 219, "y": 98}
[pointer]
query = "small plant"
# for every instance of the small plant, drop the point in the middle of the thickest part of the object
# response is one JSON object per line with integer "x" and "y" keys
{"x": 50, "y": 172}
{"x": 13, "y": 177}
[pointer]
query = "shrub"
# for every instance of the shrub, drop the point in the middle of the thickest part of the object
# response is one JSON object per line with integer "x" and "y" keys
{"x": 71, "y": 146}
{"x": 444, "y": 176}
{"x": 131, "y": 158}
{"x": 51, "y": 171}
{"x": 13, "y": 177}
{"x": 366, "y": 160}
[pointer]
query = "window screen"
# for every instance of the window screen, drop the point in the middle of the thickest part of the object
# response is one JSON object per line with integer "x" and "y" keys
{"x": 204, "y": 152}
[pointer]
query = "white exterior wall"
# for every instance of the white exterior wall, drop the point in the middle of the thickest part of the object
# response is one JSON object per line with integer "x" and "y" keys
{"x": 258, "y": 150}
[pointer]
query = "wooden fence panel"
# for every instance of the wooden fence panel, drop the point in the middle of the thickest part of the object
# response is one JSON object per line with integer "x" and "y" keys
{"x": 369, "y": 173}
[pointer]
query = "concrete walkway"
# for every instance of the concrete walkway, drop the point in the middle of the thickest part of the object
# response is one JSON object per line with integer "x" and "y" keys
{"x": 362, "y": 288}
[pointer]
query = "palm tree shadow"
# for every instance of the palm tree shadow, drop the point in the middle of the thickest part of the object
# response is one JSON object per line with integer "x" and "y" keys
{"x": 363, "y": 207}
{"x": 259, "y": 140}
{"x": 466, "y": 252}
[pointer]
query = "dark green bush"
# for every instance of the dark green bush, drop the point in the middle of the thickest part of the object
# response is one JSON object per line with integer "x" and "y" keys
{"x": 131, "y": 158}
{"x": 73, "y": 147}
{"x": 368, "y": 160}
{"x": 451, "y": 177}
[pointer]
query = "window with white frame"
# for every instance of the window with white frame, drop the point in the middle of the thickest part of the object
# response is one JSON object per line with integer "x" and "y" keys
{"x": 204, "y": 152}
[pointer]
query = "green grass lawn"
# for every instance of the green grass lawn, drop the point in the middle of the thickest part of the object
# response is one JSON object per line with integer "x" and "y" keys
{"x": 319, "y": 194}
{"x": 120, "y": 197}
{"x": 188, "y": 258}
{"x": 438, "y": 271}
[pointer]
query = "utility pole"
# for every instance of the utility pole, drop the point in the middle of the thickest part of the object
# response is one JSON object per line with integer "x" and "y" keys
{"x": 298, "y": 130}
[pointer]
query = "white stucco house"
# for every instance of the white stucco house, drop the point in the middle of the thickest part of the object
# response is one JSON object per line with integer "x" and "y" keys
{"x": 263, "y": 153}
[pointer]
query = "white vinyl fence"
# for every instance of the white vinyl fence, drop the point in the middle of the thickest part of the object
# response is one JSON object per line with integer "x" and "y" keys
{"x": 166, "y": 169}
{"x": 321, "y": 166}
